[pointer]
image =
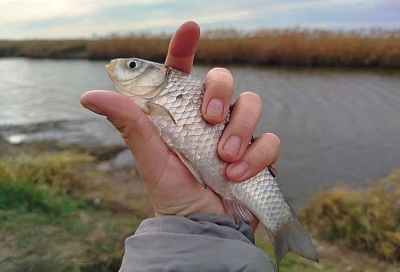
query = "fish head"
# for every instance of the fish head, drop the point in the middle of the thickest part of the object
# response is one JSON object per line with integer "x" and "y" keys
{"x": 137, "y": 78}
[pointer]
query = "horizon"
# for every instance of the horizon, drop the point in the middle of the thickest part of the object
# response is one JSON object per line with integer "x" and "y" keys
{"x": 86, "y": 19}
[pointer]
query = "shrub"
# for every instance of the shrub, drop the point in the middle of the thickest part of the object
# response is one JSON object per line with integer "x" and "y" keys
{"x": 366, "y": 220}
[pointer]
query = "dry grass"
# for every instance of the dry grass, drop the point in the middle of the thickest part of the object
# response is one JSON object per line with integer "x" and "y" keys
{"x": 309, "y": 48}
{"x": 294, "y": 47}
{"x": 365, "y": 220}
{"x": 58, "y": 171}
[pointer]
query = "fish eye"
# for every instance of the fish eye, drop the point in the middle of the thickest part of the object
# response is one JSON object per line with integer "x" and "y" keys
{"x": 132, "y": 64}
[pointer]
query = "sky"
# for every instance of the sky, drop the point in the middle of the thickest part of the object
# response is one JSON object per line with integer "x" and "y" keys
{"x": 21, "y": 19}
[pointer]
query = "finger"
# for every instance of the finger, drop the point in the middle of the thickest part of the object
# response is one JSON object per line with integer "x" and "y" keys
{"x": 183, "y": 46}
{"x": 242, "y": 123}
{"x": 135, "y": 127}
{"x": 217, "y": 96}
{"x": 260, "y": 154}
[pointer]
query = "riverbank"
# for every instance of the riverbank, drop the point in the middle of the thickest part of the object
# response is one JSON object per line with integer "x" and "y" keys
{"x": 67, "y": 208}
{"x": 62, "y": 209}
{"x": 288, "y": 47}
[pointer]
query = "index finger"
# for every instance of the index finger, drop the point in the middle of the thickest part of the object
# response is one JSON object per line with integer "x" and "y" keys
{"x": 182, "y": 47}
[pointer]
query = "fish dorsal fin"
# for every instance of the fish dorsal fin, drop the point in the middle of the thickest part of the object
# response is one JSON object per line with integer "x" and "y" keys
{"x": 190, "y": 167}
{"x": 158, "y": 110}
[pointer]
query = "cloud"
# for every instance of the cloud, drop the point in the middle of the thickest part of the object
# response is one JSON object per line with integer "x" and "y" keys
{"x": 19, "y": 11}
{"x": 82, "y": 18}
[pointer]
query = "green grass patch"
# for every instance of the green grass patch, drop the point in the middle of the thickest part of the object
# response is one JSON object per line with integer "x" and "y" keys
{"x": 25, "y": 197}
{"x": 43, "y": 232}
{"x": 364, "y": 220}
{"x": 48, "y": 224}
{"x": 59, "y": 171}
{"x": 294, "y": 263}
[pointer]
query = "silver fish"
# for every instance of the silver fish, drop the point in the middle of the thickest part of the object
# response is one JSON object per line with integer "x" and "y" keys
{"x": 173, "y": 99}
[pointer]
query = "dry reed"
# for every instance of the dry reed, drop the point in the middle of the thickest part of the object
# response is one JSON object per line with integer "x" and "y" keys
{"x": 293, "y": 47}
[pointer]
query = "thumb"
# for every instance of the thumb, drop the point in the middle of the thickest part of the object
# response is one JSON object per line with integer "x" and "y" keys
{"x": 136, "y": 129}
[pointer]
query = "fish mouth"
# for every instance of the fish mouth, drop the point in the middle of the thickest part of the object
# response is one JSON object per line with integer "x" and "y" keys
{"x": 111, "y": 67}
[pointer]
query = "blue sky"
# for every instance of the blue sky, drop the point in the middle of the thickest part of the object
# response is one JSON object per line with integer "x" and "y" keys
{"x": 21, "y": 19}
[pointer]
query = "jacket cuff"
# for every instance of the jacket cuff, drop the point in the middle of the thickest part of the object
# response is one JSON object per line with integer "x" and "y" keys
{"x": 211, "y": 225}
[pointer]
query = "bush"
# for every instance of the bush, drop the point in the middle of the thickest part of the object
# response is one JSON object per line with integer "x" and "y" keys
{"x": 366, "y": 220}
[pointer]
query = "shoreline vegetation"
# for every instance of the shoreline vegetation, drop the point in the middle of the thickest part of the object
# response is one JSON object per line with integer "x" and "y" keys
{"x": 65, "y": 209}
{"x": 375, "y": 48}
{"x": 363, "y": 220}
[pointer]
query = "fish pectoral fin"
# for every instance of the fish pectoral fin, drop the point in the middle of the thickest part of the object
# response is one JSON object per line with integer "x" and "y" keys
{"x": 158, "y": 110}
{"x": 238, "y": 210}
{"x": 191, "y": 168}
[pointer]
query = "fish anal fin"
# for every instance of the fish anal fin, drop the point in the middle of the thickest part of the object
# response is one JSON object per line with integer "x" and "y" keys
{"x": 292, "y": 237}
{"x": 238, "y": 210}
{"x": 191, "y": 168}
{"x": 158, "y": 110}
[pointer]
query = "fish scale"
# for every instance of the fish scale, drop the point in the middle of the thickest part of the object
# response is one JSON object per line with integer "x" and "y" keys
{"x": 195, "y": 136}
{"x": 191, "y": 136}
{"x": 175, "y": 100}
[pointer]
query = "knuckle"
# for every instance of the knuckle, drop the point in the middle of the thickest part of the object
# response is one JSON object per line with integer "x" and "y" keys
{"x": 252, "y": 102}
{"x": 220, "y": 71}
{"x": 274, "y": 139}
{"x": 243, "y": 126}
{"x": 260, "y": 156}
{"x": 253, "y": 98}
{"x": 124, "y": 129}
{"x": 126, "y": 132}
{"x": 132, "y": 128}
{"x": 220, "y": 80}
{"x": 215, "y": 84}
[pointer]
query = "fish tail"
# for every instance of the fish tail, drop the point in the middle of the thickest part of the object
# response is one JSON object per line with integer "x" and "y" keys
{"x": 292, "y": 237}
{"x": 262, "y": 197}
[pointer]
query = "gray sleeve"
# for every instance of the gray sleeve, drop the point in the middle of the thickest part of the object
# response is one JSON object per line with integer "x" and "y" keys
{"x": 197, "y": 243}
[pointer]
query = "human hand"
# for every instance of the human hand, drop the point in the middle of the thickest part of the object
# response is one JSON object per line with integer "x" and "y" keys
{"x": 171, "y": 187}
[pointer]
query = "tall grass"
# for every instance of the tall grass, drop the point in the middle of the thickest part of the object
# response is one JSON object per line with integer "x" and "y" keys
{"x": 366, "y": 220}
{"x": 304, "y": 47}
{"x": 293, "y": 46}
{"x": 57, "y": 171}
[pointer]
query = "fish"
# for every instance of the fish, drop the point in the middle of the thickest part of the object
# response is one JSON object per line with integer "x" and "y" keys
{"x": 172, "y": 99}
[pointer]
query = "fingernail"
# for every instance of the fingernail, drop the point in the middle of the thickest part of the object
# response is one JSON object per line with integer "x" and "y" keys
{"x": 215, "y": 108}
{"x": 93, "y": 108}
{"x": 238, "y": 170}
{"x": 232, "y": 145}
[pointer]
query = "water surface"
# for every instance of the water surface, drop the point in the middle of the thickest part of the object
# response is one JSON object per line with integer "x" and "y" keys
{"x": 336, "y": 126}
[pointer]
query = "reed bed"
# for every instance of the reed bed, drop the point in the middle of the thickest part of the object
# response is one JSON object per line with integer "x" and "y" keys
{"x": 290, "y": 47}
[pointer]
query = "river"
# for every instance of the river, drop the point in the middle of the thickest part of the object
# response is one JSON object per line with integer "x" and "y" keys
{"x": 336, "y": 126}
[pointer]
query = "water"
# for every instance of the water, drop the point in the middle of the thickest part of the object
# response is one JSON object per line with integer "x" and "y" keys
{"x": 336, "y": 126}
